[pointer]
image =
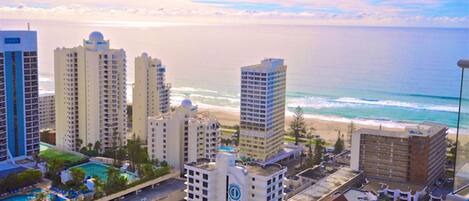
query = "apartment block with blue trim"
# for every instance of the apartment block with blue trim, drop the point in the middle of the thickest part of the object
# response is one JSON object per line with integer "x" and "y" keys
{"x": 19, "y": 120}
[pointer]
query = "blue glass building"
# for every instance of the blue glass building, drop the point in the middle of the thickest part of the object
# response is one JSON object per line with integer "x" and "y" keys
{"x": 19, "y": 120}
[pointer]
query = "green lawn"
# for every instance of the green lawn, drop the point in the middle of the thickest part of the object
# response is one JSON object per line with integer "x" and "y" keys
{"x": 288, "y": 138}
{"x": 60, "y": 155}
{"x": 227, "y": 131}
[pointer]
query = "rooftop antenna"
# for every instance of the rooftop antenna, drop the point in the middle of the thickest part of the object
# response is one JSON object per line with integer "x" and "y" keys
{"x": 28, "y": 27}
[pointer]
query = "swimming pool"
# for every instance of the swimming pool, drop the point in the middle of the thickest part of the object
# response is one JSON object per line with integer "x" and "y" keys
{"x": 226, "y": 149}
{"x": 30, "y": 196}
{"x": 44, "y": 146}
{"x": 92, "y": 168}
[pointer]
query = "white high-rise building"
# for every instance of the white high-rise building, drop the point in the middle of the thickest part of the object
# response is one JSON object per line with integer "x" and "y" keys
{"x": 262, "y": 122}
{"x": 47, "y": 111}
{"x": 150, "y": 93}
{"x": 182, "y": 136}
{"x": 90, "y": 87}
{"x": 226, "y": 179}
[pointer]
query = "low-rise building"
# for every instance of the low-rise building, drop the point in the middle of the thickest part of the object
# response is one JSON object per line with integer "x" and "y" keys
{"x": 182, "y": 136}
{"x": 415, "y": 156}
{"x": 226, "y": 179}
{"x": 46, "y": 111}
{"x": 324, "y": 188}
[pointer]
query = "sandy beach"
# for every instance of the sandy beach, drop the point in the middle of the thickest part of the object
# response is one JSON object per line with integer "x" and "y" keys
{"x": 328, "y": 130}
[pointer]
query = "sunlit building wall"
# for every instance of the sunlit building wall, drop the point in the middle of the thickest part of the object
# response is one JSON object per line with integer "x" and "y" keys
{"x": 90, "y": 90}
{"x": 182, "y": 136}
{"x": 150, "y": 95}
{"x": 262, "y": 122}
{"x": 47, "y": 111}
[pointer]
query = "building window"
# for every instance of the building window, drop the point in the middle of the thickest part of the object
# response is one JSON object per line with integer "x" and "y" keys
{"x": 205, "y": 176}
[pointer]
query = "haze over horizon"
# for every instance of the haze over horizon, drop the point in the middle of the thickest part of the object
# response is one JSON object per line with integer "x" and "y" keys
{"x": 419, "y": 13}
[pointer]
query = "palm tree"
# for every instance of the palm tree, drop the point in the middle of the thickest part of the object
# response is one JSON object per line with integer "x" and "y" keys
{"x": 97, "y": 147}
{"x": 79, "y": 142}
{"x": 42, "y": 196}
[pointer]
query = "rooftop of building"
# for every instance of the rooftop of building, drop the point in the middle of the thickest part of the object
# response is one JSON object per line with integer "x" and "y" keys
{"x": 264, "y": 170}
{"x": 204, "y": 164}
{"x": 253, "y": 168}
{"x": 325, "y": 186}
{"x": 317, "y": 172}
{"x": 266, "y": 64}
{"x": 375, "y": 185}
{"x": 423, "y": 129}
{"x": 8, "y": 167}
{"x": 356, "y": 195}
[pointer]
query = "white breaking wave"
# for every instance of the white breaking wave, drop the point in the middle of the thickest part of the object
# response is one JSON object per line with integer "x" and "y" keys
{"x": 190, "y": 89}
{"x": 44, "y": 79}
{"x": 319, "y": 103}
{"x": 233, "y": 100}
{"x": 315, "y": 103}
{"x": 443, "y": 108}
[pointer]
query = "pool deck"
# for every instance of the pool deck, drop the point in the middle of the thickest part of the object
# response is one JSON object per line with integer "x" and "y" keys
{"x": 135, "y": 177}
{"x": 45, "y": 184}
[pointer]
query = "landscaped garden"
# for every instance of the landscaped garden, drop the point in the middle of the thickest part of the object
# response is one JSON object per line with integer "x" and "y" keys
{"x": 55, "y": 154}
{"x": 107, "y": 178}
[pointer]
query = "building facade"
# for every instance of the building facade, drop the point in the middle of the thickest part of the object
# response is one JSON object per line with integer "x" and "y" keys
{"x": 262, "y": 122}
{"x": 225, "y": 179}
{"x": 416, "y": 156}
{"x": 90, "y": 90}
{"x": 46, "y": 111}
{"x": 182, "y": 136}
{"x": 150, "y": 95}
{"x": 19, "y": 120}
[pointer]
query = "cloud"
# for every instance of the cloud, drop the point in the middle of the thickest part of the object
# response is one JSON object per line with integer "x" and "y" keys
{"x": 340, "y": 12}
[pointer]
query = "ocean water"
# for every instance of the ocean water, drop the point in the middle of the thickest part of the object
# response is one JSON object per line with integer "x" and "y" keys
{"x": 374, "y": 75}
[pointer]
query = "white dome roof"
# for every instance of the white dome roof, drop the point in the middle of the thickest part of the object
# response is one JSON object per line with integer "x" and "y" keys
{"x": 186, "y": 103}
{"x": 96, "y": 36}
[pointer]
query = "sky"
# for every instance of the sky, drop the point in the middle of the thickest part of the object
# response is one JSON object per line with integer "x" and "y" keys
{"x": 428, "y": 13}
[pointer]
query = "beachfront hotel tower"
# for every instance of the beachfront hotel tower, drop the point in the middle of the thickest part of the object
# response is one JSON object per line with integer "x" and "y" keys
{"x": 150, "y": 95}
{"x": 262, "y": 121}
{"x": 19, "y": 121}
{"x": 90, "y": 94}
{"x": 182, "y": 136}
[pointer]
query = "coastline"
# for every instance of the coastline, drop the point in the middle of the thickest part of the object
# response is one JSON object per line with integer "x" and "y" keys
{"x": 327, "y": 129}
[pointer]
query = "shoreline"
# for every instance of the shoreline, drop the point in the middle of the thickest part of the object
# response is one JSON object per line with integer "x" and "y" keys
{"x": 328, "y": 128}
